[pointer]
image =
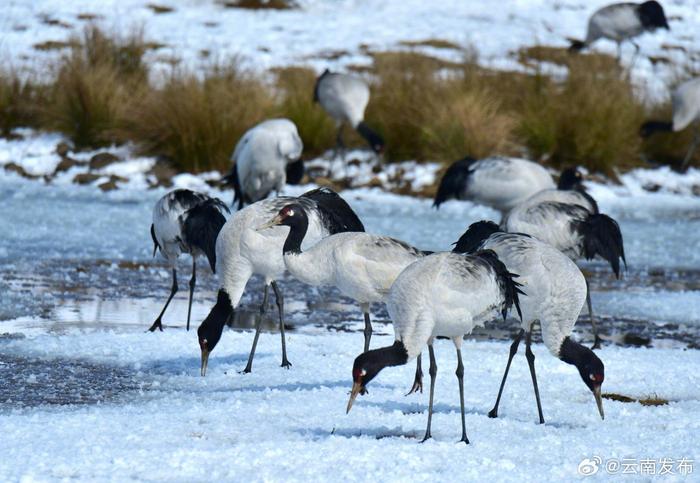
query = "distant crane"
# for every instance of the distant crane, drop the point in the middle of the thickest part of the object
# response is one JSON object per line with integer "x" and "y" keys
{"x": 686, "y": 111}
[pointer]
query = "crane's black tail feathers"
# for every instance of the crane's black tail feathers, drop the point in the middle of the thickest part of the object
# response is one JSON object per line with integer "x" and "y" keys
{"x": 453, "y": 181}
{"x": 202, "y": 225}
{"x": 475, "y": 236}
{"x": 601, "y": 236}
{"x": 510, "y": 288}
{"x": 576, "y": 46}
{"x": 232, "y": 180}
{"x": 295, "y": 172}
{"x": 335, "y": 211}
{"x": 156, "y": 245}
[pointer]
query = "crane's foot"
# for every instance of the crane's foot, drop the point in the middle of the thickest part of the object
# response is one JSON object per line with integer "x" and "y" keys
{"x": 156, "y": 325}
{"x": 285, "y": 363}
{"x": 493, "y": 413}
{"x": 464, "y": 439}
{"x": 417, "y": 387}
{"x": 596, "y": 342}
{"x": 426, "y": 437}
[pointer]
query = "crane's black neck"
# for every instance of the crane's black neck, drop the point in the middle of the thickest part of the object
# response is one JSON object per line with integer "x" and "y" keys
{"x": 371, "y": 362}
{"x": 218, "y": 317}
{"x": 298, "y": 226}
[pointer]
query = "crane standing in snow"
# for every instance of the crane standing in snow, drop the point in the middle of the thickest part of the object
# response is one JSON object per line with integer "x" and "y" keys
{"x": 686, "y": 111}
{"x": 266, "y": 157}
{"x": 362, "y": 266}
{"x": 344, "y": 97}
{"x": 243, "y": 251}
{"x": 622, "y": 21}
{"x": 444, "y": 294}
{"x": 556, "y": 291}
{"x": 185, "y": 221}
{"x": 573, "y": 229}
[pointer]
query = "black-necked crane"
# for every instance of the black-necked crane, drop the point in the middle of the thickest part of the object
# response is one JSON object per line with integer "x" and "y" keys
{"x": 555, "y": 292}
{"x": 267, "y": 157}
{"x": 242, "y": 251}
{"x": 499, "y": 182}
{"x": 622, "y": 22}
{"x": 685, "y": 100}
{"x": 569, "y": 190}
{"x": 360, "y": 265}
{"x": 185, "y": 221}
{"x": 345, "y": 97}
{"x": 573, "y": 229}
{"x": 444, "y": 294}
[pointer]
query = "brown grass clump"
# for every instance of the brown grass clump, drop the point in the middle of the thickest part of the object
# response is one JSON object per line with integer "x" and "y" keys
{"x": 259, "y": 4}
{"x": 93, "y": 85}
{"x": 295, "y": 88}
{"x": 196, "y": 123}
{"x": 428, "y": 109}
{"x": 19, "y": 101}
{"x": 591, "y": 118}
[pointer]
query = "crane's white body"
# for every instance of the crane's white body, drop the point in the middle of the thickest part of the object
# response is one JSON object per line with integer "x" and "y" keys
{"x": 344, "y": 97}
{"x": 503, "y": 183}
{"x": 242, "y": 251}
{"x": 550, "y": 222}
{"x": 445, "y": 294}
{"x": 686, "y": 104}
{"x": 554, "y": 287}
{"x": 617, "y": 22}
{"x": 361, "y": 265}
{"x": 262, "y": 154}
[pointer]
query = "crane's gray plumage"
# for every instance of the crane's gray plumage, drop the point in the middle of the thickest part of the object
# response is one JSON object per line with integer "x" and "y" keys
{"x": 443, "y": 294}
{"x": 185, "y": 221}
{"x": 498, "y": 182}
{"x": 622, "y": 21}
{"x": 360, "y": 265}
{"x": 262, "y": 159}
{"x": 242, "y": 251}
{"x": 555, "y": 292}
{"x": 344, "y": 97}
{"x": 686, "y": 111}
{"x": 574, "y": 229}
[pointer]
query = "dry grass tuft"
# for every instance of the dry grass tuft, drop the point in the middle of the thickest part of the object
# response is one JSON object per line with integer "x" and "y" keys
{"x": 431, "y": 109}
{"x": 652, "y": 400}
{"x": 434, "y": 43}
{"x": 196, "y": 123}
{"x": 93, "y": 85}
{"x": 19, "y": 101}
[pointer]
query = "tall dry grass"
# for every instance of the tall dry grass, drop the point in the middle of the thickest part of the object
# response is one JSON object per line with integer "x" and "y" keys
{"x": 94, "y": 83}
{"x": 196, "y": 122}
{"x": 20, "y": 99}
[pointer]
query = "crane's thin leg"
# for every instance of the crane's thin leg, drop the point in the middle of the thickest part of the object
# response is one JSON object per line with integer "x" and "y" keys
{"x": 693, "y": 147}
{"x": 513, "y": 350}
{"x": 280, "y": 306}
{"x": 258, "y": 326}
{"x": 596, "y": 338}
{"x": 619, "y": 52}
{"x": 193, "y": 281}
{"x": 368, "y": 330}
{"x": 634, "y": 57}
{"x": 460, "y": 378}
{"x": 418, "y": 380}
{"x": 173, "y": 290}
{"x": 531, "y": 362}
{"x": 433, "y": 373}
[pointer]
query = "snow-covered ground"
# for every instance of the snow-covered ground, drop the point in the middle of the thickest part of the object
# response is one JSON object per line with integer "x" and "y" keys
{"x": 339, "y": 32}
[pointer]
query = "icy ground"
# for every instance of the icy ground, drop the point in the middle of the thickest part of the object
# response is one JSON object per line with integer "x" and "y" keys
{"x": 339, "y": 33}
{"x": 85, "y": 394}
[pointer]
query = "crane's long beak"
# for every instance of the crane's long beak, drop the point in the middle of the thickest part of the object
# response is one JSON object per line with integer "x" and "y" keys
{"x": 205, "y": 361}
{"x": 356, "y": 389}
{"x": 273, "y": 222}
{"x": 599, "y": 401}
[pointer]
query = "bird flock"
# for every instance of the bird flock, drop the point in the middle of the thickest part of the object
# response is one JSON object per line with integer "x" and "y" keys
{"x": 523, "y": 267}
